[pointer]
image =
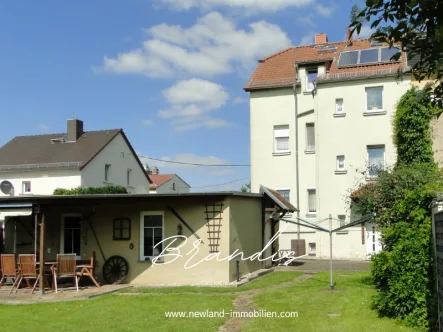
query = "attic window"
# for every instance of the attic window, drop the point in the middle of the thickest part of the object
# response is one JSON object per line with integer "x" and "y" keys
{"x": 367, "y": 56}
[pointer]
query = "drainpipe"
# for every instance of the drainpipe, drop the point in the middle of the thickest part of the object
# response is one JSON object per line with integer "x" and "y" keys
{"x": 297, "y": 175}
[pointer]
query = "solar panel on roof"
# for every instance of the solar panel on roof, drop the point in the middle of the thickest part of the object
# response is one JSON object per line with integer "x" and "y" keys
{"x": 387, "y": 53}
{"x": 348, "y": 58}
{"x": 368, "y": 56}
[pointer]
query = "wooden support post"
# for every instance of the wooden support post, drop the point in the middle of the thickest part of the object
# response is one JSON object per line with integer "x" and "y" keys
{"x": 42, "y": 255}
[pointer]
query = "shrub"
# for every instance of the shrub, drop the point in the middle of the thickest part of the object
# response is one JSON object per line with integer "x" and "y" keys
{"x": 108, "y": 190}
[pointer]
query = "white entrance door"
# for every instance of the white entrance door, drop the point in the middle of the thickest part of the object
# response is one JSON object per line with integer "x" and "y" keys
{"x": 373, "y": 244}
{"x": 71, "y": 235}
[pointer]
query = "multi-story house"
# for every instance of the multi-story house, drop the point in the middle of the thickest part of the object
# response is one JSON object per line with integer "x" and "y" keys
{"x": 321, "y": 119}
{"x": 37, "y": 165}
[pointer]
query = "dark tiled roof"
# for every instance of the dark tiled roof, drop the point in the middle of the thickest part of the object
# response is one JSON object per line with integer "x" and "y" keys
{"x": 43, "y": 152}
{"x": 279, "y": 69}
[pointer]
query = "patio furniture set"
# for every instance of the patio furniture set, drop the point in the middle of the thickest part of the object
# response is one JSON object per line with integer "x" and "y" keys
{"x": 27, "y": 270}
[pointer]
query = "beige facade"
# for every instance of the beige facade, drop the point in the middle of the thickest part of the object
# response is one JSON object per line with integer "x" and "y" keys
{"x": 346, "y": 135}
{"x": 241, "y": 220}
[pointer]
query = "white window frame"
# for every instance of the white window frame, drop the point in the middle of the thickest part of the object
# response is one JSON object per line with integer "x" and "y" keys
{"x": 24, "y": 183}
{"x": 382, "y": 101}
{"x": 337, "y": 167}
{"x": 310, "y": 125}
{"x": 288, "y": 189}
{"x": 281, "y": 128}
{"x": 307, "y": 195}
{"x": 142, "y": 231}
{"x": 379, "y": 146}
{"x": 62, "y": 232}
{"x": 129, "y": 177}
{"x": 107, "y": 173}
{"x": 342, "y": 106}
{"x": 308, "y": 89}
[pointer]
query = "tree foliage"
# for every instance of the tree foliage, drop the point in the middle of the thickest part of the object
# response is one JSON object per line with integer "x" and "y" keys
{"x": 412, "y": 133}
{"x": 401, "y": 198}
{"x": 246, "y": 188}
{"x": 418, "y": 26}
{"x": 108, "y": 190}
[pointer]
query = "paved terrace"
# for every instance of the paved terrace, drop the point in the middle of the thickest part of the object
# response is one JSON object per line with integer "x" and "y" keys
{"x": 24, "y": 295}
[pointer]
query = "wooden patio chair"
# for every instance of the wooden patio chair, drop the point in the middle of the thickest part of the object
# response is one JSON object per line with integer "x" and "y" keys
{"x": 66, "y": 268}
{"x": 9, "y": 270}
{"x": 28, "y": 270}
{"x": 88, "y": 270}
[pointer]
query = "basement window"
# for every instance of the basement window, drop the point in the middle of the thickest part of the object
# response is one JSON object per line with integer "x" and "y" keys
{"x": 312, "y": 249}
{"x": 26, "y": 187}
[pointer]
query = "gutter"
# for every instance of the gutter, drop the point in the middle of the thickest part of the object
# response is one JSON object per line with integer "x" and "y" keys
{"x": 297, "y": 173}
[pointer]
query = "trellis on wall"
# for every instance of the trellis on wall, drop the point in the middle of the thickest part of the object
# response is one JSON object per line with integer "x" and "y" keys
{"x": 213, "y": 219}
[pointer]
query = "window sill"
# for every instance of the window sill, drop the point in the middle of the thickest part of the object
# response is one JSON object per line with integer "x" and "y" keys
{"x": 342, "y": 232}
{"x": 308, "y": 92}
{"x": 130, "y": 187}
{"x": 373, "y": 113}
{"x": 309, "y": 152}
{"x": 24, "y": 194}
{"x": 276, "y": 154}
{"x": 341, "y": 172}
{"x": 371, "y": 178}
{"x": 311, "y": 215}
{"x": 150, "y": 260}
{"x": 108, "y": 183}
{"x": 339, "y": 115}
{"x": 313, "y": 254}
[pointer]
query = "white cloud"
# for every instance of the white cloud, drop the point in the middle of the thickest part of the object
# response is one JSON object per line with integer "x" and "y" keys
{"x": 249, "y": 5}
{"x": 308, "y": 38}
{"x": 240, "y": 100}
{"x": 305, "y": 20}
{"x": 191, "y": 101}
{"x": 43, "y": 127}
{"x": 325, "y": 10}
{"x": 209, "y": 47}
{"x": 147, "y": 123}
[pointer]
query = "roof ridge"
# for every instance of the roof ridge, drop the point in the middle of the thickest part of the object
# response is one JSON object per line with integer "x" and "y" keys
{"x": 61, "y": 134}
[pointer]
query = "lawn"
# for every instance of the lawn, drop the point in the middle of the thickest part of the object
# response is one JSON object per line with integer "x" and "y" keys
{"x": 144, "y": 312}
{"x": 115, "y": 313}
{"x": 313, "y": 303}
{"x": 270, "y": 279}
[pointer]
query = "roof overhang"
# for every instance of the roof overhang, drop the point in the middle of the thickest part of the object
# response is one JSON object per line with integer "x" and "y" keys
{"x": 15, "y": 210}
{"x": 278, "y": 199}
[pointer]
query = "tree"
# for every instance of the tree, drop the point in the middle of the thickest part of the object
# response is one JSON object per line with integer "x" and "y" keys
{"x": 418, "y": 26}
{"x": 246, "y": 188}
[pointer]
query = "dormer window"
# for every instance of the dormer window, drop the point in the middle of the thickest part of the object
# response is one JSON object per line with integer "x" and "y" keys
{"x": 311, "y": 76}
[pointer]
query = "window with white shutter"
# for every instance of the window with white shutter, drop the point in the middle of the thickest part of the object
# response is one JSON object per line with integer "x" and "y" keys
{"x": 281, "y": 139}
{"x": 310, "y": 137}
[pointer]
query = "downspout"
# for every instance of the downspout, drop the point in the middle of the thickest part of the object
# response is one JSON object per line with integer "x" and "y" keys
{"x": 297, "y": 175}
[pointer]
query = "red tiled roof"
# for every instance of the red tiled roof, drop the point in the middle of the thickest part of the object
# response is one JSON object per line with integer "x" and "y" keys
{"x": 279, "y": 69}
{"x": 159, "y": 179}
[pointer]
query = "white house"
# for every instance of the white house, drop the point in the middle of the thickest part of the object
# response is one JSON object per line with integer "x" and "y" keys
{"x": 319, "y": 116}
{"x": 37, "y": 165}
{"x": 167, "y": 183}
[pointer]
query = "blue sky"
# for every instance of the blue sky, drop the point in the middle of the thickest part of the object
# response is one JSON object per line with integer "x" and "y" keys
{"x": 169, "y": 72}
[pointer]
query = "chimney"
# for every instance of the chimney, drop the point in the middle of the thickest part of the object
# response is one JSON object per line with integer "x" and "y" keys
{"x": 321, "y": 38}
{"x": 155, "y": 170}
{"x": 75, "y": 130}
{"x": 348, "y": 37}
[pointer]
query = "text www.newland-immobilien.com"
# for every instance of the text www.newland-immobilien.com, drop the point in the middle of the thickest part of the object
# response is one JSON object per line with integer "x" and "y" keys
{"x": 232, "y": 314}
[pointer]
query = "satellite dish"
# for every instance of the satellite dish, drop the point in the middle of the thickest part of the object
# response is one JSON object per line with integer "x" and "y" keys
{"x": 6, "y": 187}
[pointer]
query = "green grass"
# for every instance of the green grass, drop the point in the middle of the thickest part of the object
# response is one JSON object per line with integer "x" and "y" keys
{"x": 144, "y": 312}
{"x": 313, "y": 305}
{"x": 115, "y": 313}
{"x": 270, "y": 279}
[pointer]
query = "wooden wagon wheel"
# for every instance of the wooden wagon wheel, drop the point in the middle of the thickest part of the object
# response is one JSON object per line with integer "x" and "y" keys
{"x": 115, "y": 269}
